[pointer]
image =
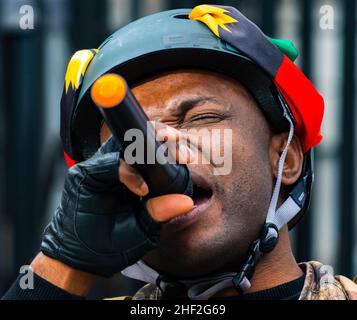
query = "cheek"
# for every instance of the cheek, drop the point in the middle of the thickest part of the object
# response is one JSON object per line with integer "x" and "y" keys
{"x": 213, "y": 147}
{"x": 250, "y": 154}
{"x": 245, "y": 193}
{"x": 222, "y": 151}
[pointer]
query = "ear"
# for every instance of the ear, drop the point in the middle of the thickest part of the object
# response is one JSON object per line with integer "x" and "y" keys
{"x": 293, "y": 161}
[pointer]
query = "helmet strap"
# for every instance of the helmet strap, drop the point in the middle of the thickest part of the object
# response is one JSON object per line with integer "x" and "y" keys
{"x": 275, "y": 220}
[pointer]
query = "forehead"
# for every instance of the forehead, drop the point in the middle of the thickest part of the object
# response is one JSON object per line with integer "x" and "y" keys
{"x": 163, "y": 91}
{"x": 161, "y": 95}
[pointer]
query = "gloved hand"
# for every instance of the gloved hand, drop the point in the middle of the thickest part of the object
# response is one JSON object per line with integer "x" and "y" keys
{"x": 101, "y": 226}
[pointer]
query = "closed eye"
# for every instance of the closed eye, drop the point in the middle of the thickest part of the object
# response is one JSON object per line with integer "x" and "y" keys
{"x": 206, "y": 118}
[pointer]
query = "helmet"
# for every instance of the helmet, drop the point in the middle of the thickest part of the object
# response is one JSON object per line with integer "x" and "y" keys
{"x": 156, "y": 43}
{"x": 210, "y": 37}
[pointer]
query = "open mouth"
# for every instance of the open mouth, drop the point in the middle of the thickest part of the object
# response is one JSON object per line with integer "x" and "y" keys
{"x": 202, "y": 194}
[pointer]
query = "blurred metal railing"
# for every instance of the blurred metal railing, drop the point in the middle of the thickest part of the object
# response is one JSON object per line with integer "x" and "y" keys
{"x": 348, "y": 158}
{"x": 22, "y": 109}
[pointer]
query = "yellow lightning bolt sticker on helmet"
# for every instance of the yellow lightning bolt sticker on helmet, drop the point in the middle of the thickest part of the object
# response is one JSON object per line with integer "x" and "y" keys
{"x": 77, "y": 67}
{"x": 212, "y": 16}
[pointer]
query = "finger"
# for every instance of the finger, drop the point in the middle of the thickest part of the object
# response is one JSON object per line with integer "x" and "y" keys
{"x": 99, "y": 172}
{"x": 168, "y": 206}
{"x": 132, "y": 179}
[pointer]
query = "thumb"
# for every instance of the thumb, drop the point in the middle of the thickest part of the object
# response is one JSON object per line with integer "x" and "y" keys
{"x": 169, "y": 206}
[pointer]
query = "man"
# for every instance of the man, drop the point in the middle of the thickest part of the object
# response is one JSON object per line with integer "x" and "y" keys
{"x": 209, "y": 68}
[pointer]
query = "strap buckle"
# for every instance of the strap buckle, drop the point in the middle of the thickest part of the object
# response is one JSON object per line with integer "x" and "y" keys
{"x": 266, "y": 243}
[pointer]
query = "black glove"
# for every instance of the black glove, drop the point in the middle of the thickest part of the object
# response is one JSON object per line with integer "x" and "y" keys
{"x": 100, "y": 226}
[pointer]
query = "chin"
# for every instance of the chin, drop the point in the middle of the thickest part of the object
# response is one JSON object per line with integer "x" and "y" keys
{"x": 189, "y": 252}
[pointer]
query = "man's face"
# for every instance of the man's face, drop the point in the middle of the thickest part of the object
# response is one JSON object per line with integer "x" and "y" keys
{"x": 230, "y": 208}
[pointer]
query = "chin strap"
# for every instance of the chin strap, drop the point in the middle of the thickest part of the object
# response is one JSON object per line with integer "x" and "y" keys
{"x": 275, "y": 220}
{"x": 200, "y": 288}
{"x": 205, "y": 287}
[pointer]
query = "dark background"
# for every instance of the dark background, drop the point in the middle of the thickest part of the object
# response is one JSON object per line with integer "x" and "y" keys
{"x": 32, "y": 67}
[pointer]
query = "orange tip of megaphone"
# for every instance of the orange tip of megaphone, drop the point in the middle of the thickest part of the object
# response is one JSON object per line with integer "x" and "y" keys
{"x": 108, "y": 90}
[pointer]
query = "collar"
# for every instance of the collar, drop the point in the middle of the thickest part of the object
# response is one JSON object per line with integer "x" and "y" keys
{"x": 201, "y": 288}
{"x": 204, "y": 288}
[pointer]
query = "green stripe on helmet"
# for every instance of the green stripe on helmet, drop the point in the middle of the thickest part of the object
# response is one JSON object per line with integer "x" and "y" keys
{"x": 286, "y": 46}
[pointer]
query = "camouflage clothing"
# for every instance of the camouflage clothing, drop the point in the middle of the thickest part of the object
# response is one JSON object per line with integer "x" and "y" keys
{"x": 320, "y": 284}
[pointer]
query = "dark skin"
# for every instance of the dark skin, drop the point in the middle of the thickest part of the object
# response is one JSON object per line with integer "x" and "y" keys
{"x": 240, "y": 199}
{"x": 232, "y": 216}
{"x": 219, "y": 239}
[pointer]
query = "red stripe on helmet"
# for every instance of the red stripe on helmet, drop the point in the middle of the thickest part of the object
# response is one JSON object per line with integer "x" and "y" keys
{"x": 70, "y": 162}
{"x": 306, "y": 104}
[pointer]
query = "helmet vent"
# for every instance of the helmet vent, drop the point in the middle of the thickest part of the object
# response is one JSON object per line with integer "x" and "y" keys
{"x": 181, "y": 16}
